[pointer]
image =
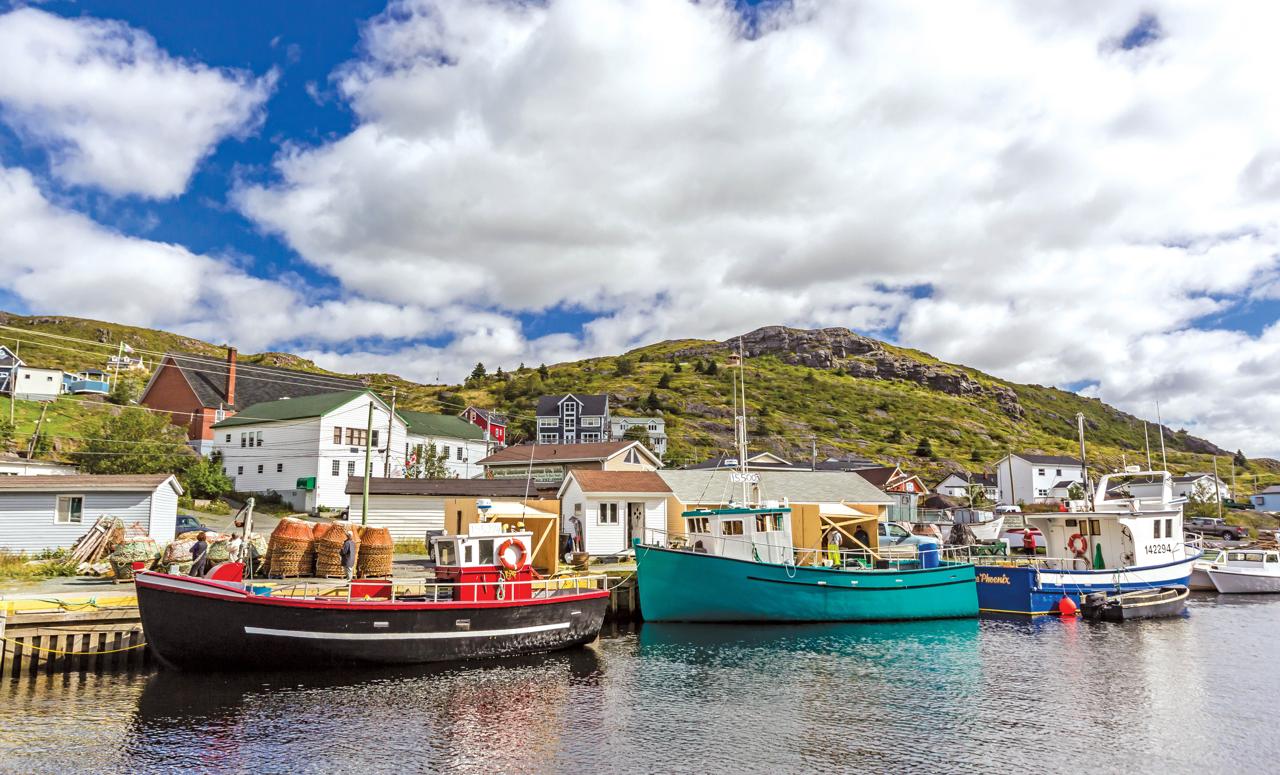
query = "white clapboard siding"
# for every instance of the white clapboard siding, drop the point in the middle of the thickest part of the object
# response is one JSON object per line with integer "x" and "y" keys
{"x": 408, "y": 517}
{"x": 26, "y": 518}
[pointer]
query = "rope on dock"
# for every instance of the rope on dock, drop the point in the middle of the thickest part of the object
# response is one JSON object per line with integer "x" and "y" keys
{"x": 61, "y": 653}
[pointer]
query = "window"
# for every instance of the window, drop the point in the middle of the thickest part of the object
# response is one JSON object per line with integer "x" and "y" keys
{"x": 356, "y": 437}
{"x": 259, "y": 438}
{"x": 228, "y": 438}
{"x": 591, "y": 422}
{"x": 762, "y": 523}
{"x": 279, "y": 468}
{"x": 577, "y": 510}
{"x": 570, "y": 409}
{"x": 460, "y": 452}
{"x": 336, "y": 467}
{"x": 1042, "y": 493}
{"x": 1040, "y": 471}
{"x": 547, "y": 422}
{"x": 351, "y": 468}
{"x": 374, "y": 440}
{"x": 653, "y": 426}
{"x": 70, "y": 510}
{"x": 1157, "y": 528}
{"x": 1168, "y": 527}
{"x": 1095, "y": 527}
{"x": 633, "y": 456}
{"x": 608, "y": 514}
{"x": 242, "y": 438}
{"x": 698, "y": 525}
{"x": 239, "y": 470}
{"x": 546, "y": 438}
{"x": 1057, "y": 472}
{"x": 731, "y": 527}
{"x": 259, "y": 468}
{"x": 337, "y": 435}
{"x": 777, "y": 522}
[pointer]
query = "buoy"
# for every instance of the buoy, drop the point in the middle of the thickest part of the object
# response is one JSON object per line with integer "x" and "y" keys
{"x": 1067, "y": 606}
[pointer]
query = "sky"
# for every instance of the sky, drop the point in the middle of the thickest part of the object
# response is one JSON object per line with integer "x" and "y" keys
{"x": 1072, "y": 194}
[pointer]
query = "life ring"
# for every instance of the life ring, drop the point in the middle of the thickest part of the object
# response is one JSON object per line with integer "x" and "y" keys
{"x": 508, "y": 563}
{"x": 1083, "y": 545}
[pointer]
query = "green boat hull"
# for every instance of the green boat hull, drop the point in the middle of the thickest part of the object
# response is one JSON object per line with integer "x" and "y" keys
{"x": 682, "y": 586}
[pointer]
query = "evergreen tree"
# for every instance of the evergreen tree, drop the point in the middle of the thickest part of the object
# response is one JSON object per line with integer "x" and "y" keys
{"x": 623, "y": 367}
{"x": 924, "y": 448}
{"x": 712, "y": 369}
{"x": 699, "y": 367}
{"x": 543, "y": 371}
{"x": 975, "y": 455}
{"x": 677, "y": 368}
{"x": 664, "y": 382}
{"x": 894, "y": 436}
{"x": 652, "y": 402}
{"x": 479, "y": 372}
{"x": 1240, "y": 460}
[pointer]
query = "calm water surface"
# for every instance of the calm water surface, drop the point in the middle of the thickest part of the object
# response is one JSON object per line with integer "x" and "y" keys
{"x": 1197, "y": 694}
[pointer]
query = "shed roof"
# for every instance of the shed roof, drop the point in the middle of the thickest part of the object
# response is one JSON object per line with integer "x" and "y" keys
{"x": 620, "y": 481}
{"x": 291, "y": 408}
{"x": 72, "y": 483}
{"x": 448, "y": 425}
{"x": 448, "y": 488}
{"x": 713, "y": 487}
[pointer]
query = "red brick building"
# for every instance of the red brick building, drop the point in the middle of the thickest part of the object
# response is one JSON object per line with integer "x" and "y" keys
{"x": 197, "y": 391}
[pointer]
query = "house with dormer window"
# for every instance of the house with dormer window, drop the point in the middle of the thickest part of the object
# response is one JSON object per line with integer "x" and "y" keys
{"x": 573, "y": 419}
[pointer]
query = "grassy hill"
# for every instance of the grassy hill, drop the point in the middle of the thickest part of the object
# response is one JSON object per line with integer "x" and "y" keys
{"x": 830, "y": 393}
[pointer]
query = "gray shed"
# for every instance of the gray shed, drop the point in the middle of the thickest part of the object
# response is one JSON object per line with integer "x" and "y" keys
{"x": 51, "y": 512}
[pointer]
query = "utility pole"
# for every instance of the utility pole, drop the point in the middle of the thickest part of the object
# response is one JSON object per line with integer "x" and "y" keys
{"x": 1217, "y": 491}
{"x": 368, "y": 449}
{"x": 814, "y": 465}
{"x": 1164, "y": 460}
{"x": 115, "y": 370}
{"x": 35, "y": 435}
{"x": 391, "y": 418}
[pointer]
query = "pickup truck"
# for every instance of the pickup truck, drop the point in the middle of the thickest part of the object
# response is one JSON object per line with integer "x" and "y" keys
{"x": 187, "y": 523}
{"x": 1212, "y": 526}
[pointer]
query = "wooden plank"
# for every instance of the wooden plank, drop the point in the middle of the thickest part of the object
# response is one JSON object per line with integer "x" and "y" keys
{"x": 79, "y": 617}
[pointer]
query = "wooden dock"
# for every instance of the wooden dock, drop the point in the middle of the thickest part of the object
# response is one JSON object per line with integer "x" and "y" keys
{"x": 49, "y": 642}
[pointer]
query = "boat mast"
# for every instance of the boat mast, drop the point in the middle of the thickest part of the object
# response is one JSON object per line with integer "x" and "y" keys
{"x": 1084, "y": 462}
{"x": 740, "y": 423}
{"x": 1147, "y": 438}
{"x": 1164, "y": 460}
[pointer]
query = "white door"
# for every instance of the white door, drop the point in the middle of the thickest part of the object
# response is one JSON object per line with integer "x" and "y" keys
{"x": 635, "y": 522}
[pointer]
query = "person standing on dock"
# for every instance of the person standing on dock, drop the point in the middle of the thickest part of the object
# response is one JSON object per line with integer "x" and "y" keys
{"x": 348, "y": 556}
{"x": 200, "y": 556}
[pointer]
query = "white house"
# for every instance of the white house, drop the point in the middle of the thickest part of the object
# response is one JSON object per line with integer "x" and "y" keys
{"x": 462, "y": 443}
{"x": 959, "y": 486}
{"x": 12, "y": 465}
{"x": 655, "y": 428}
{"x": 607, "y": 509}
{"x": 305, "y": 448}
{"x": 52, "y": 512}
{"x": 1201, "y": 487}
{"x": 32, "y": 384}
{"x": 1028, "y": 478}
{"x": 1267, "y": 500}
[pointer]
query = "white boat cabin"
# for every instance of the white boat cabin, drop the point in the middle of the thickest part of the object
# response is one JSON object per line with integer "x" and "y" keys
{"x": 760, "y": 535}
{"x": 480, "y": 547}
{"x": 1258, "y": 559}
{"x": 1127, "y": 527}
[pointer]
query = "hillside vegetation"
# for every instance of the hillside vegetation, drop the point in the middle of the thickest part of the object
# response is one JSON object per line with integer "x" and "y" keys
{"x": 828, "y": 393}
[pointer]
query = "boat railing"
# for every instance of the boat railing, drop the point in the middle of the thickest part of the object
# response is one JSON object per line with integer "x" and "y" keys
{"x": 761, "y": 550}
{"x": 429, "y": 589}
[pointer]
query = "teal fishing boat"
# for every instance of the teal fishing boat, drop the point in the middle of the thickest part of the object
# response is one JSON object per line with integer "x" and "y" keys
{"x": 739, "y": 564}
{"x": 727, "y": 570}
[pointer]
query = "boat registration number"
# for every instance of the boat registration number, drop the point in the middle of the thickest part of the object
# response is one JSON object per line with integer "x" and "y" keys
{"x": 1161, "y": 548}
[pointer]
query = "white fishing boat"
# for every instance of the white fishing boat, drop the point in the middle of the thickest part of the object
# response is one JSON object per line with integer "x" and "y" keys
{"x": 1247, "y": 571}
{"x": 1200, "y": 580}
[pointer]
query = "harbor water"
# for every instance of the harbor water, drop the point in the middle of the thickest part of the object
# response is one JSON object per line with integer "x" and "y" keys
{"x": 1193, "y": 694}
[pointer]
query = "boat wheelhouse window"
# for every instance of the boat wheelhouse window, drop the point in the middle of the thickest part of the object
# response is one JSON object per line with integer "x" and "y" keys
{"x": 1156, "y": 534}
{"x": 777, "y": 522}
{"x": 1095, "y": 527}
{"x": 762, "y": 523}
{"x": 699, "y": 525}
{"x": 731, "y": 527}
{"x": 1244, "y": 556}
{"x": 1072, "y": 522}
{"x": 447, "y": 553}
{"x": 467, "y": 554}
{"x": 486, "y": 552}
{"x": 1168, "y": 527}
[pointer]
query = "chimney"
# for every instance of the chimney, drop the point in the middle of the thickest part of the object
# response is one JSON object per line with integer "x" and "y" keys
{"x": 231, "y": 377}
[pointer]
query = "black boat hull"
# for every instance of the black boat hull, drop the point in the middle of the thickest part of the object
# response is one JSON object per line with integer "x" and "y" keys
{"x": 1167, "y": 601}
{"x": 192, "y": 624}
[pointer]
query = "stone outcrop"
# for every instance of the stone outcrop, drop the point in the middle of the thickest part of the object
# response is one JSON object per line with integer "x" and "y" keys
{"x": 859, "y": 356}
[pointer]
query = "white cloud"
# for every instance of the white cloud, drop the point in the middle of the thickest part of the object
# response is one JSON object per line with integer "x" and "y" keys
{"x": 56, "y": 260}
{"x": 115, "y": 110}
{"x": 1074, "y": 207}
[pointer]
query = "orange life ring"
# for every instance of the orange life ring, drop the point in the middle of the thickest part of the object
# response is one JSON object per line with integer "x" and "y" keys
{"x": 1083, "y": 545}
{"x": 507, "y": 563}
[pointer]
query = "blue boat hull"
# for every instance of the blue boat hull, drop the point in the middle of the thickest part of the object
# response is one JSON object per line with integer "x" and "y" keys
{"x": 1026, "y": 591}
{"x": 682, "y": 586}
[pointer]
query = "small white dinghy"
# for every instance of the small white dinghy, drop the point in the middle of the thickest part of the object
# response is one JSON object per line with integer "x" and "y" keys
{"x": 1247, "y": 571}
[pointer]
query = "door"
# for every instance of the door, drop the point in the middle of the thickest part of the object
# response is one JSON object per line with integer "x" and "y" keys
{"x": 635, "y": 522}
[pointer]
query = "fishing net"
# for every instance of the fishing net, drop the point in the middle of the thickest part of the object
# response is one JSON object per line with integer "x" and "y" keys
{"x": 178, "y": 551}
{"x": 135, "y": 548}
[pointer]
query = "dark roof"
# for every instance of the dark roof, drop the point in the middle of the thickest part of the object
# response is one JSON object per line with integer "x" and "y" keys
{"x": 1048, "y": 459}
{"x": 254, "y": 384}
{"x": 1063, "y": 484}
{"x": 490, "y": 416}
{"x": 549, "y": 406}
{"x": 878, "y": 476}
{"x": 719, "y": 462}
{"x": 561, "y": 453}
{"x": 620, "y": 481}
{"x": 72, "y": 482}
{"x": 463, "y": 488}
{"x": 424, "y": 424}
{"x": 986, "y": 480}
{"x": 291, "y": 408}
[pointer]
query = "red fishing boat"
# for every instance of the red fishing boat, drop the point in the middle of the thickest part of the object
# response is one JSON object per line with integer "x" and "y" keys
{"x": 485, "y": 601}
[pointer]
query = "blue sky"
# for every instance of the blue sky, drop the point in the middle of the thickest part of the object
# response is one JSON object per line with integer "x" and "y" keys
{"x": 1046, "y": 194}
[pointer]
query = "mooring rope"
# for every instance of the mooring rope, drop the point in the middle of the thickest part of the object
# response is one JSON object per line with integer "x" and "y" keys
{"x": 61, "y": 653}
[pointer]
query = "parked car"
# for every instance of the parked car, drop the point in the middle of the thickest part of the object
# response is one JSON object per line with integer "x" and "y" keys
{"x": 187, "y": 523}
{"x": 891, "y": 533}
{"x": 1212, "y": 526}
